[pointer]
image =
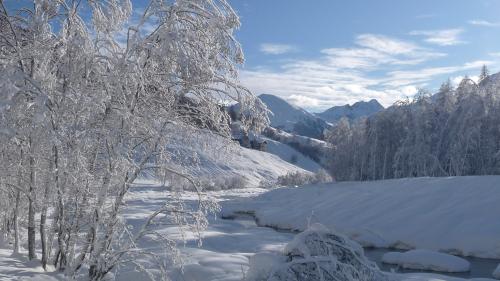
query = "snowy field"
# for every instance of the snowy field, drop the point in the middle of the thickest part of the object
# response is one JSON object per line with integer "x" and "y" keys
{"x": 457, "y": 215}
{"x": 228, "y": 244}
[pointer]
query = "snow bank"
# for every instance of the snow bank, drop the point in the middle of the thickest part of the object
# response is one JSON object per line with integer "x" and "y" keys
{"x": 427, "y": 260}
{"x": 496, "y": 273}
{"x": 457, "y": 215}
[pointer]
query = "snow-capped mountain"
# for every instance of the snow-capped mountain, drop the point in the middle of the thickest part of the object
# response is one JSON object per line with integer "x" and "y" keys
{"x": 292, "y": 118}
{"x": 352, "y": 112}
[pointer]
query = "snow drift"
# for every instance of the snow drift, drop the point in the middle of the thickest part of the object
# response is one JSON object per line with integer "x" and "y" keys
{"x": 456, "y": 215}
{"x": 427, "y": 260}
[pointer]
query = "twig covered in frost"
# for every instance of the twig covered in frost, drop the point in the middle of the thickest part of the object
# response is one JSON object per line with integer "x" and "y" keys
{"x": 85, "y": 111}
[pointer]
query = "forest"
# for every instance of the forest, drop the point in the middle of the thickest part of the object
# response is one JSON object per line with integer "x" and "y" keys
{"x": 454, "y": 132}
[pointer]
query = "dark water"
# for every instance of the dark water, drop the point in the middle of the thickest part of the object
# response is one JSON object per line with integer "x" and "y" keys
{"x": 480, "y": 268}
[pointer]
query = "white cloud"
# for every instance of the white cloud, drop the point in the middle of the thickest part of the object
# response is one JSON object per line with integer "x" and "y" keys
{"x": 276, "y": 49}
{"x": 404, "y": 78}
{"x": 374, "y": 50}
{"x": 457, "y": 79}
{"x": 442, "y": 37}
{"x": 385, "y": 44}
{"x": 484, "y": 23}
{"x": 375, "y": 67}
{"x": 304, "y": 101}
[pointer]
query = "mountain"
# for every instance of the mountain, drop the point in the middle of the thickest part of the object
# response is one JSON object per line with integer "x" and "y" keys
{"x": 292, "y": 118}
{"x": 352, "y": 112}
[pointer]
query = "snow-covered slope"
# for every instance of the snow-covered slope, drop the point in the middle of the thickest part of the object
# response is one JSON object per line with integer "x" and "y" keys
{"x": 210, "y": 157}
{"x": 289, "y": 154}
{"x": 315, "y": 149}
{"x": 352, "y": 112}
{"x": 458, "y": 215}
{"x": 293, "y": 118}
{"x": 285, "y": 115}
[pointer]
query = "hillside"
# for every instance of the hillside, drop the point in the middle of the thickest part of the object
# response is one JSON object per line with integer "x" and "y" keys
{"x": 291, "y": 155}
{"x": 315, "y": 149}
{"x": 212, "y": 158}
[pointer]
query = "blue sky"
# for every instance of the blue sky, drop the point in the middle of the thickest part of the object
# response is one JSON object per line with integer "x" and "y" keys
{"x": 321, "y": 53}
{"x": 327, "y": 52}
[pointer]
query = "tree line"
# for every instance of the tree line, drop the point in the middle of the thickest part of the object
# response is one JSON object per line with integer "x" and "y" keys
{"x": 454, "y": 132}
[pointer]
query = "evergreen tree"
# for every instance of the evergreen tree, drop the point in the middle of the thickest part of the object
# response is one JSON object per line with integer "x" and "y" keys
{"x": 451, "y": 134}
{"x": 446, "y": 86}
{"x": 484, "y": 73}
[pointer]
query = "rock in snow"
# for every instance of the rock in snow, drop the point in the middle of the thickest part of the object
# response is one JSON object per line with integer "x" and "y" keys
{"x": 496, "y": 273}
{"x": 316, "y": 254}
{"x": 427, "y": 260}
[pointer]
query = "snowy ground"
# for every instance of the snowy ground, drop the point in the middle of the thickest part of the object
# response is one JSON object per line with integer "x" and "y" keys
{"x": 18, "y": 268}
{"x": 227, "y": 244}
{"x": 455, "y": 215}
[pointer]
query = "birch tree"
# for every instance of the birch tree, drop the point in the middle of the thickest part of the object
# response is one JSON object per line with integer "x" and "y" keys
{"x": 87, "y": 108}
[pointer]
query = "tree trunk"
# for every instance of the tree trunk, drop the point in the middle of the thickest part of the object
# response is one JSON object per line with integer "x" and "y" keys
{"x": 61, "y": 253}
{"x": 16, "y": 222}
{"x": 43, "y": 217}
{"x": 43, "y": 239}
{"x": 31, "y": 206}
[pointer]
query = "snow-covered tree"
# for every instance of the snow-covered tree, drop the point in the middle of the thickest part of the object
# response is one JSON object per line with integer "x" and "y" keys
{"x": 317, "y": 254}
{"x": 87, "y": 107}
{"x": 484, "y": 73}
{"x": 449, "y": 133}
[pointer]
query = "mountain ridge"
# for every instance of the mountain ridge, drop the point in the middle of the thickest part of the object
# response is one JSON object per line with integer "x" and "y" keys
{"x": 292, "y": 118}
{"x": 352, "y": 112}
